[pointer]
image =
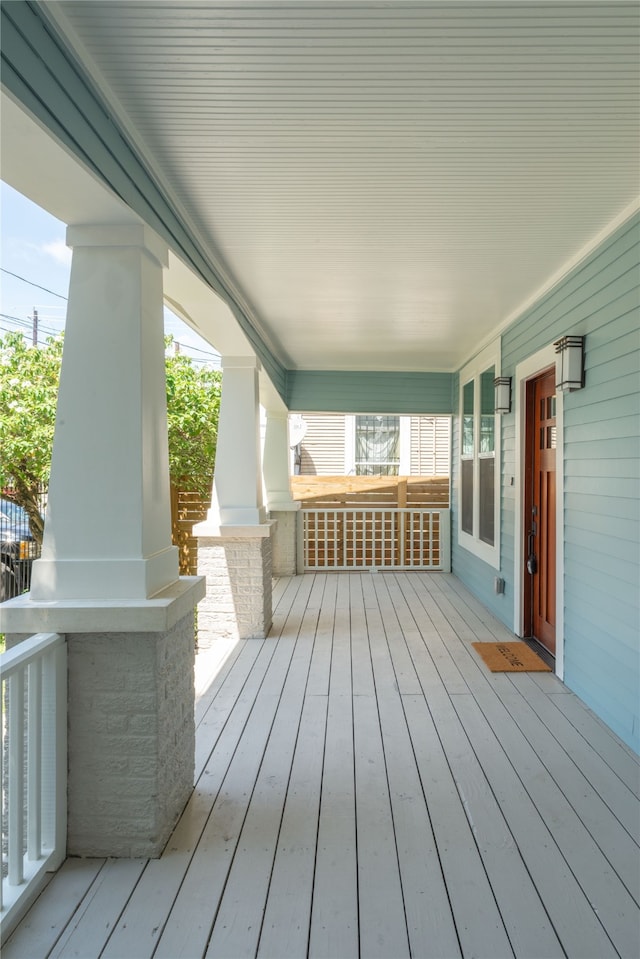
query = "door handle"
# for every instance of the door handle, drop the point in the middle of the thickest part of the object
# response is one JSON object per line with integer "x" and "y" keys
{"x": 532, "y": 560}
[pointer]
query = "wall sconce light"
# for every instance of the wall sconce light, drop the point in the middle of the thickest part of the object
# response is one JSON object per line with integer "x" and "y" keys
{"x": 570, "y": 363}
{"x": 502, "y": 389}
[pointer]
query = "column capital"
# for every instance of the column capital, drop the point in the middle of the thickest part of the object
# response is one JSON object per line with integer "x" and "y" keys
{"x": 119, "y": 235}
{"x": 241, "y": 363}
{"x": 281, "y": 415}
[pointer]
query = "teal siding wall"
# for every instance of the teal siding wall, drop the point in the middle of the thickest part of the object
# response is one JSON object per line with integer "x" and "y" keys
{"x": 600, "y": 299}
{"x": 358, "y": 392}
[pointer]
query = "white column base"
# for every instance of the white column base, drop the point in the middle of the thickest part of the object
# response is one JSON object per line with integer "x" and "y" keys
{"x": 23, "y": 615}
{"x": 66, "y": 579}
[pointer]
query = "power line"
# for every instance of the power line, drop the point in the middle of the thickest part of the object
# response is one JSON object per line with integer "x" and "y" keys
{"x": 187, "y": 346}
{"x": 31, "y": 283}
{"x": 26, "y": 324}
{"x": 16, "y": 319}
{"x": 200, "y": 361}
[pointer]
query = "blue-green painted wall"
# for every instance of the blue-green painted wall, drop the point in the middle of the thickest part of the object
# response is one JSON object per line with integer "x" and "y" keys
{"x": 600, "y": 299}
{"x": 358, "y": 392}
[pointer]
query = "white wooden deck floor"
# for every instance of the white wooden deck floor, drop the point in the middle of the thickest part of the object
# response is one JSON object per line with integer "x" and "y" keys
{"x": 367, "y": 788}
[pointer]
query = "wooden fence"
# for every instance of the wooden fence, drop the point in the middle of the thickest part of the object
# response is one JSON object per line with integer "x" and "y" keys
{"x": 374, "y": 538}
{"x": 373, "y": 522}
{"x": 186, "y": 510}
{"x": 402, "y": 492}
{"x": 321, "y": 493}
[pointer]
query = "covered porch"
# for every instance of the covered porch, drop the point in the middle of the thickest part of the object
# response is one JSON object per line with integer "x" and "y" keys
{"x": 366, "y": 787}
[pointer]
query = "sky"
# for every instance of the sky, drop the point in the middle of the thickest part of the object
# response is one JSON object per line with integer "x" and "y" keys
{"x": 34, "y": 275}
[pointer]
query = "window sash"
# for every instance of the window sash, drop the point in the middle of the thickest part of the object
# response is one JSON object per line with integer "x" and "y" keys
{"x": 479, "y": 459}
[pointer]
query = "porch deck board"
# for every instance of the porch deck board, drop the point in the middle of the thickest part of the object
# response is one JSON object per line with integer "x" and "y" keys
{"x": 52, "y": 912}
{"x": 91, "y": 925}
{"x": 367, "y": 788}
{"x": 616, "y": 755}
{"x": 578, "y": 818}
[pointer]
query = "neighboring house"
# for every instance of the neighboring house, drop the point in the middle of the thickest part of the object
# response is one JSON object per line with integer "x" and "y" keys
{"x": 376, "y": 445}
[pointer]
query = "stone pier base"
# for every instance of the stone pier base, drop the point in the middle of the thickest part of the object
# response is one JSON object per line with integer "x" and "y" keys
{"x": 284, "y": 542}
{"x": 130, "y": 713}
{"x": 238, "y": 571}
{"x": 131, "y": 739}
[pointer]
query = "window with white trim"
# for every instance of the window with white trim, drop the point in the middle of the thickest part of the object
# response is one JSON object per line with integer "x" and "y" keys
{"x": 479, "y": 473}
{"x": 377, "y": 445}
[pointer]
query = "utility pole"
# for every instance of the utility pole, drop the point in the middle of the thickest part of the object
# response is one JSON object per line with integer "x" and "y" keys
{"x": 35, "y": 327}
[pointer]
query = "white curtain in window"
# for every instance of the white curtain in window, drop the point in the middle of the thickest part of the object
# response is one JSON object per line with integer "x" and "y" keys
{"x": 377, "y": 445}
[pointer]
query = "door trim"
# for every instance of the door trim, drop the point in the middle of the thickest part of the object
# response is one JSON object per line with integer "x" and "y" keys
{"x": 525, "y": 371}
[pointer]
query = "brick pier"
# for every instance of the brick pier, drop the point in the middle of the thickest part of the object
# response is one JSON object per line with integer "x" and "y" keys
{"x": 238, "y": 571}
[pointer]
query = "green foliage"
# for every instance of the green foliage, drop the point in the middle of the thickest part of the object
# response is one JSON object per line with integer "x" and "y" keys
{"x": 29, "y": 379}
{"x": 28, "y": 395}
{"x": 193, "y": 405}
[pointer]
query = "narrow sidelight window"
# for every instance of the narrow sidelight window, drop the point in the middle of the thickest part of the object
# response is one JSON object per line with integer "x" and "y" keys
{"x": 478, "y": 526}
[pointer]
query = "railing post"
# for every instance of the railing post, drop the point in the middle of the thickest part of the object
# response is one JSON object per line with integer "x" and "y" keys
{"x": 38, "y": 723}
{"x": 16, "y": 777}
{"x": 34, "y": 764}
{"x": 301, "y": 542}
{"x": 445, "y": 540}
{"x": 54, "y": 743}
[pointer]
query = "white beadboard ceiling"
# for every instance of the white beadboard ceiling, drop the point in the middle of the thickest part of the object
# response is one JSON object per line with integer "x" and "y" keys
{"x": 384, "y": 183}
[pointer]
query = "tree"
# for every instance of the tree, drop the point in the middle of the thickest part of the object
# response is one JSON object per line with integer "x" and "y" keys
{"x": 193, "y": 406}
{"x": 29, "y": 378}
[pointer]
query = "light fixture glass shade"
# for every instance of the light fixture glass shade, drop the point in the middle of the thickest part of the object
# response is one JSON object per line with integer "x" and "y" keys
{"x": 570, "y": 363}
{"x": 502, "y": 389}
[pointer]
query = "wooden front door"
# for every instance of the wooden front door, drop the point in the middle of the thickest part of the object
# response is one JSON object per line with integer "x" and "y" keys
{"x": 540, "y": 511}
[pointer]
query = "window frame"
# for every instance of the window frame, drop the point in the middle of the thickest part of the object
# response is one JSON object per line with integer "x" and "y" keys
{"x": 472, "y": 373}
{"x": 350, "y": 442}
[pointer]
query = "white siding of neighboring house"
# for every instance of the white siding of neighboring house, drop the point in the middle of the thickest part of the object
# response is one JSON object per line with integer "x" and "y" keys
{"x": 430, "y": 445}
{"x": 325, "y": 444}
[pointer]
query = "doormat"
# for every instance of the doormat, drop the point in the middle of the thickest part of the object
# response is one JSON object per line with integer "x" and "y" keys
{"x": 511, "y": 658}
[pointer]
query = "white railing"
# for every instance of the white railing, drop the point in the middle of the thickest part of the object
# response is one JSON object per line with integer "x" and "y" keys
{"x": 367, "y": 538}
{"x": 34, "y": 770}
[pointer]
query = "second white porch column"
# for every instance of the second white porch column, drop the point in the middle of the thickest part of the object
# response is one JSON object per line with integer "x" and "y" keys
{"x": 234, "y": 542}
{"x": 237, "y": 480}
{"x": 280, "y": 503}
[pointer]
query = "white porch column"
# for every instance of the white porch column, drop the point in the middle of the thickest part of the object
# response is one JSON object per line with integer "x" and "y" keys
{"x": 237, "y": 479}
{"x": 108, "y": 577}
{"x": 234, "y": 542}
{"x": 280, "y": 503}
{"x": 108, "y": 530}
